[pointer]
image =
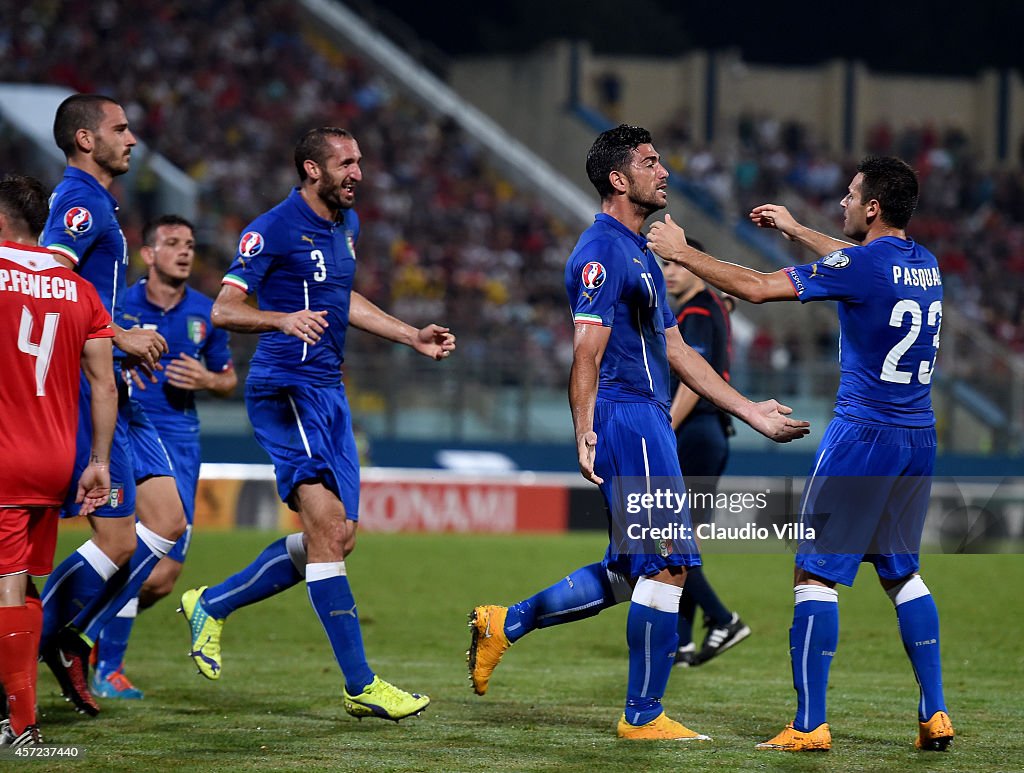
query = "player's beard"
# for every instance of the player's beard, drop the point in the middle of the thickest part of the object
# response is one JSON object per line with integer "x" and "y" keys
{"x": 329, "y": 191}
{"x": 111, "y": 159}
{"x": 645, "y": 205}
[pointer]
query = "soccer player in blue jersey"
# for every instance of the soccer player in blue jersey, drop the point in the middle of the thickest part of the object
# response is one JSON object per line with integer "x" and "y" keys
{"x": 197, "y": 359}
{"x": 626, "y": 341}
{"x": 299, "y": 259}
{"x": 702, "y": 444}
{"x": 890, "y": 307}
{"x": 88, "y": 588}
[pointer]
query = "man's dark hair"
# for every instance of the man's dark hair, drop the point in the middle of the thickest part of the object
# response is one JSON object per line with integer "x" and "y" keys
{"x": 893, "y": 184}
{"x": 23, "y": 199}
{"x": 79, "y": 111}
{"x": 611, "y": 152}
{"x": 313, "y": 147}
{"x": 149, "y": 230}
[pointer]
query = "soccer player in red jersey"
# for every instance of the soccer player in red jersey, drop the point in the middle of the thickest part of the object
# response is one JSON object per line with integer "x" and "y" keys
{"x": 52, "y": 327}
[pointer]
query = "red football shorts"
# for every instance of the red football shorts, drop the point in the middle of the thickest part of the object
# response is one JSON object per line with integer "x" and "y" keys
{"x": 28, "y": 539}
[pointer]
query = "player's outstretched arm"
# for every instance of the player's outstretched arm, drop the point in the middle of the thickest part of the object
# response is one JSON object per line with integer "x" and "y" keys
{"x": 588, "y": 345}
{"x": 230, "y": 311}
{"x": 769, "y": 418}
{"x": 668, "y": 240}
{"x": 432, "y": 341}
{"x": 98, "y": 367}
{"x": 778, "y": 217}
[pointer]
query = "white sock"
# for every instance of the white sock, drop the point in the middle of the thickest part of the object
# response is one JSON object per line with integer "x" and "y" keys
{"x": 296, "y": 551}
{"x": 802, "y": 593}
{"x": 131, "y": 609}
{"x": 657, "y": 595}
{"x": 97, "y": 559}
{"x": 914, "y": 588}
{"x": 160, "y": 546}
{"x": 325, "y": 571}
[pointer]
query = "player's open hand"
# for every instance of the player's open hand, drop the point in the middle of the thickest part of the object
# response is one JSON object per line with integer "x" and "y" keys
{"x": 667, "y": 239}
{"x": 586, "y": 447}
{"x": 306, "y": 325}
{"x": 434, "y": 341}
{"x": 143, "y": 347}
{"x": 186, "y": 372}
{"x": 93, "y": 487}
{"x": 771, "y": 419}
{"x": 774, "y": 216}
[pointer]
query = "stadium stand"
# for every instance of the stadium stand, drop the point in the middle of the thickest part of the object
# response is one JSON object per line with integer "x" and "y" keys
{"x": 447, "y": 236}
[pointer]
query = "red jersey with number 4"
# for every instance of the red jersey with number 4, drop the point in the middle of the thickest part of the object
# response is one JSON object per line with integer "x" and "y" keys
{"x": 47, "y": 313}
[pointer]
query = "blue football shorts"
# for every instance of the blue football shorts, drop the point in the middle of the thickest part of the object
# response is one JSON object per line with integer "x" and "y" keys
{"x": 151, "y": 457}
{"x": 122, "y": 460}
{"x": 636, "y": 455}
{"x": 867, "y": 499}
{"x": 307, "y": 431}
{"x": 183, "y": 451}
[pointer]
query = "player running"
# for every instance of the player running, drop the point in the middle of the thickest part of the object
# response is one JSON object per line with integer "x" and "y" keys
{"x": 197, "y": 359}
{"x": 299, "y": 259}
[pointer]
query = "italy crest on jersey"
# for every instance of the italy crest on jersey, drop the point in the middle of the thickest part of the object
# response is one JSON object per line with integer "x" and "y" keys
{"x": 77, "y": 220}
{"x": 593, "y": 275}
{"x": 196, "y": 327}
{"x": 351, "y": 243}
{"x": 251, "y": 244}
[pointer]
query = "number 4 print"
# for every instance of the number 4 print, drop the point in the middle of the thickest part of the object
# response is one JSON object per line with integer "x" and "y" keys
{"x": 43, "y": 350}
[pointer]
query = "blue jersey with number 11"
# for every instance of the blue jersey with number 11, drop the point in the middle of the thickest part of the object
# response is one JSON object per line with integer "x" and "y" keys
{"x": 890, "y": 310}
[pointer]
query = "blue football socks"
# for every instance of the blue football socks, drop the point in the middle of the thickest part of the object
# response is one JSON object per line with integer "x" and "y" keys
{"x": 652, "y": 639}
{"x": 123, "y": 586}
{"x": 72, "y": 585}
{"x": 113, "y": 641}
{"x": 581, "y": 594}
{"x": 331, "y": 597}
{"x": 280, "y": 566}
{"x": 918, "y": 620}
{"x": 813, "y": 639}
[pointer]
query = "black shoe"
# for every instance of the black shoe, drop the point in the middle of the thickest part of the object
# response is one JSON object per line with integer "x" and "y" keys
{"x": 718, "y": 640}
{"x": 686, "y": 656}
{"x": 68, "y": 659}
{"x": 30, "y": 736}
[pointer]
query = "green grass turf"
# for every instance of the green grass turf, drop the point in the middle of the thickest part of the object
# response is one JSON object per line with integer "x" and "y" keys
{"x": 556, "y": 697}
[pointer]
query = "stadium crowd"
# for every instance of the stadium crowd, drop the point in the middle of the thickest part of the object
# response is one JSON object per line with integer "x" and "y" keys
{"x": 221, "y": 88}
{"x": 972, "y": 218}
{"x": 444, "y": 236}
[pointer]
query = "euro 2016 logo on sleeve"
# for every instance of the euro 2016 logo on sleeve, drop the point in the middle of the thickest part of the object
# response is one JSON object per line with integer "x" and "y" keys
{"x": 250, "y": 244}
{"x": 593, "y": 275}
{"x": 77, "y": 220}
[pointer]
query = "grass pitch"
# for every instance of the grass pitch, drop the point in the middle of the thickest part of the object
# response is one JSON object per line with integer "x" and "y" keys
{"x": 556, "y": 696}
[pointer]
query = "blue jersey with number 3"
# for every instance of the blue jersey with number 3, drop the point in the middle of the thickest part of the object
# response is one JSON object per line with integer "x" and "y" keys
{"x": 613, "y": 280}
{"x": 293, "y": 259}
{"x": 890, "y": 310}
